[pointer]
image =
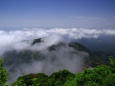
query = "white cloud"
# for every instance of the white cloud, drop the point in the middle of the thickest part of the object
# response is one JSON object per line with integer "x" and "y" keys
{"x": 13, "y": 39}
{"x": 61, "y": 58}
{"x": 22, "y": 40}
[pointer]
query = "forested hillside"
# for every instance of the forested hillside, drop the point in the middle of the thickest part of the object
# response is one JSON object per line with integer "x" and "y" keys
{"x": 102, "y": 75}
{"x": 71, "y": 56}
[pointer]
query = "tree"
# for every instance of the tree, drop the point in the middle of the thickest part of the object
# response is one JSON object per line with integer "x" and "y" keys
{"x": 30, "y": 80}
{"x": 112, "y": 61}
{"x": 102, "y": 75}
{"x": 3, "y": 73}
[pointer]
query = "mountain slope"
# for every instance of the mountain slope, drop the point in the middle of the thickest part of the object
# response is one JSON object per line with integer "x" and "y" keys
{"x": 72, "y": 56}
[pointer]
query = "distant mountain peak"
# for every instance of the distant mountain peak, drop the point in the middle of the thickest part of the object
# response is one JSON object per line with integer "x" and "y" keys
{"x": 38, "y": 40}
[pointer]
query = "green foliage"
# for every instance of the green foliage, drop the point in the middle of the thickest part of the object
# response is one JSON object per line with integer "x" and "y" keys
{"x": 99, "y": 76}
{"x": 30, "y": 80}
{"x": 3, "y": 73}
{"x": 19, "y": 83}
{"x": 40, "y": 79}
{"x": 57, "y": 78}
{"x": 112, "y": 61}
{"x": 102, "y": 75}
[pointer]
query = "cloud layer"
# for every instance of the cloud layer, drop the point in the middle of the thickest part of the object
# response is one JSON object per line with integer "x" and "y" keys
{"x": 16, "y": 39}
{"x": 62, "y": 58}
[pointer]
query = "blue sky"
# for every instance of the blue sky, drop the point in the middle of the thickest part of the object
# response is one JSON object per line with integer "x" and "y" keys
{"x": 58, "y": 13}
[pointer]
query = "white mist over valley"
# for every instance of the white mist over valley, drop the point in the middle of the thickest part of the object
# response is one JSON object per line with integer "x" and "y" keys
{"x": 46, "y": 51}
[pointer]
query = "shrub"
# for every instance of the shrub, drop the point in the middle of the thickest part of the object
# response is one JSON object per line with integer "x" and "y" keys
{"x": 30, "y": 79}
{"x": 99, "y": 76}
{"x": 58, "y": 78}
{"x": 3, "y": 73}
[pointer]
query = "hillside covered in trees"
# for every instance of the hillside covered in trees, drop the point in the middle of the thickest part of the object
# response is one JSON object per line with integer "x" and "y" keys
{"x": 102, "y": 75}
{"x": 56, "y": 65}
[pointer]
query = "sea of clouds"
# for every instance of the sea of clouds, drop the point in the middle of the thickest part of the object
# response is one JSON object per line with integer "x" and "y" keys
{"x": 22, "y": 39}
{"x": 13, "y": 39}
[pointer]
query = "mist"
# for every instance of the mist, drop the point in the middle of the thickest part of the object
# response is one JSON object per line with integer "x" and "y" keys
{"x": 16, "y": 39}
{"x": 63, "y": 57}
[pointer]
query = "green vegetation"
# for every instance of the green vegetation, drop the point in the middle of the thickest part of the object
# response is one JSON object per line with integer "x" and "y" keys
{"x": 57, "y": 78}
{"x": 3, "y": 73}
{"x": 102, "y": 75}
{"x": 40, "y": 79}
{"x": 30, "y": 80}
{"x": 98, "y": 76}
